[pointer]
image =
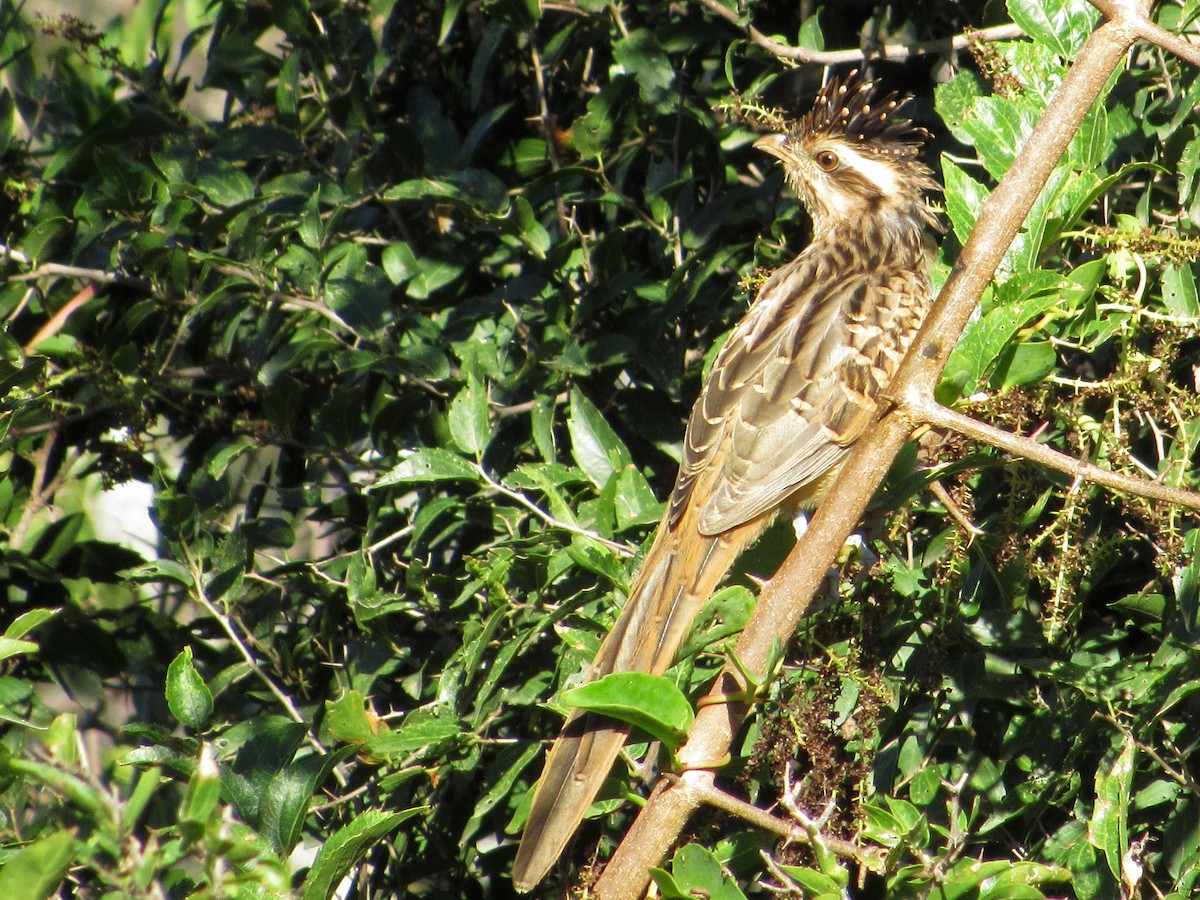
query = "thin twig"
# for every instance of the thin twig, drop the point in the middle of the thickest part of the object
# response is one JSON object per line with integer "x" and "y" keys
{"x": 923, "y": 407}
{"x": 226, "y": 625}
{"x": 516, "y": 496}
{"x": 104, "y": 276}
{"x": 64, "y": 271}
{"x": 291, "y": 301}
{"x": 517, "y": 409}
{"x": 790, "y": 831}
{"x": 955, "y": 512}
{"x": 197, "y": 573}
{"x": 548, "y": 130}
{"x": 889, "y": 51}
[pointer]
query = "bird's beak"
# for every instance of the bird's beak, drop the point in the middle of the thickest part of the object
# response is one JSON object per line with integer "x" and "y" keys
{"x": 772, "y": 144}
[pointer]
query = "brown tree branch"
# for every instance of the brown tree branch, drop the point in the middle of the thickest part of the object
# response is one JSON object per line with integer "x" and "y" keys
{"x": 1128, "y": 12}
{"x": 711, "y": 795}
{"x": 787, "y": 596}
{"x": 832, "y": 57}
{"x": 922, "y": 407}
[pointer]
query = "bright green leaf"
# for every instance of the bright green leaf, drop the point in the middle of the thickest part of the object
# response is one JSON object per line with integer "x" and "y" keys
{"x": 421, "y": 729}
{"x": 9, "y": 647}
{"x": 188, "y": 697}
{"x": 35, "y": 871}
{"x": 429, "y": 464}
{"x": 346, "y": 846}
{"x": 468, "y": 418}
{"x": 1062, "y": 25}
{"x": 595, "y": 447}
{"x": 348, "y": 718}
{"x": 696, "y": 872}
{"x": 651, "y": 702}
{"x": 1108, "y": 829}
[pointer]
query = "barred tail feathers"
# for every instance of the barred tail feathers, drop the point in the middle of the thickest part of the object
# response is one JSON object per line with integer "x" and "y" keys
{"x": 677, "y": 577}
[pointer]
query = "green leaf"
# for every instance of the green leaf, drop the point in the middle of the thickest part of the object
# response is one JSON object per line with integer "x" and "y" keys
{"x": 226, "y": 187}
{"x": 429, "y": 464}
{"x": 1091, "y": 145}
{"x": 815, "y": 884}
{"x": 270, "y": 744}
{"x": 1179, "y": 290}
{"x": 541, "y": 418}
{"x": 432, "y": 275}
{"x": 1029, "y": 363}
{"x": 635, "y": 502}
{"x": 1061, "y": 25}
{"x": 312, "y": 229}
{"x": 9, "y": 647}
{"x": 999, "y": 879}
{"x": 399, "y": 263}
{"x": 87, "y": 796}
{"x": 533, "y": 233}
{"x": 290, "y": 794}
{"x": 450, "y": 15}
{"x": 159, "y": 570}
{"x": 348, "y": 719}
{"x": 988, "y": 336}
{"x": 925, "y": 785}
{"x": 595, "y": 447}
{"x": 591, "y": 132}
{"x": 357, "y": 290}
{"x": 895, "y": 822}
{"x": 498, "y": 783}
{"x": 62, "y": 739}
{"x": 810, "y": 36}
{"x": 964, "y": 198}
{"x": 955, "y": 102}
{"x": 696, "y": 872}
{"x": 1108, "y": 828}
{"x": 422, "y": 729}
{"x": 476, "y": 189}
{"x": 188, "y": 697}
{"x": 287, "y": 88}
{"x": 999, "y": 129}
{"x": 346, "y": 846}
{"x": 203, "y": 796}
{"x": 35, "y": 871}
{"x": 468, "y": 417}
{"x": 651, "y": 702}
{"x": 7, "y": 109}
{"x": 643, "y": 56}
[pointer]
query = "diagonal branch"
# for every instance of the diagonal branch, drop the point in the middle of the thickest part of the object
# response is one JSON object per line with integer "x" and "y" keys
{"x": 787, "y": 596}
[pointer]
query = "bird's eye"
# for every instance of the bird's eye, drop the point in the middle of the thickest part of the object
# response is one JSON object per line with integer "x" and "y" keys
{"x": 827, "y": 160}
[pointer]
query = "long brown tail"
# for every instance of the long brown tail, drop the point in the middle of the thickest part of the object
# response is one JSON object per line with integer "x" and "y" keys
{"x": 679, "y": 574}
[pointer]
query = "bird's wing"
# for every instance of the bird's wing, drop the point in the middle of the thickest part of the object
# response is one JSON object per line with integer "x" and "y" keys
{"x": 794, "y": 386}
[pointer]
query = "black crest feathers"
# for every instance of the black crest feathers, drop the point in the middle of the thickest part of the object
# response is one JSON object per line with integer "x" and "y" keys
{"x": 848, "y": 109}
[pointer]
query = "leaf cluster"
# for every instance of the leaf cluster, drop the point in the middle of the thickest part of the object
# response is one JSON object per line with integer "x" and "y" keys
{"x": 345, "y": 352}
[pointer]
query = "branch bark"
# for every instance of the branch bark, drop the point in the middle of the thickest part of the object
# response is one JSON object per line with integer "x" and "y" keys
{"x": 884, "y": 51}
{"x": 786, "y": 598}
{"x": 921, "y": 406}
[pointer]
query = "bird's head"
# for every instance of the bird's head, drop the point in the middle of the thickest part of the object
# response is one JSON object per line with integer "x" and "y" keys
{"x": 854, "y": 155}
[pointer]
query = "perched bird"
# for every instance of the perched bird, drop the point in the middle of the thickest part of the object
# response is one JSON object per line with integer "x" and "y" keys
{"x": 794, "y": 386}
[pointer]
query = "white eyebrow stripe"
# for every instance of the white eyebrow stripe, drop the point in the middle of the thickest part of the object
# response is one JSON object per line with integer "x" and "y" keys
{"x": 879, "y": 174}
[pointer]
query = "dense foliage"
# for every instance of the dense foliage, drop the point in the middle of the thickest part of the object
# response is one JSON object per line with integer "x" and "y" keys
{"x": 388, "y": 315}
